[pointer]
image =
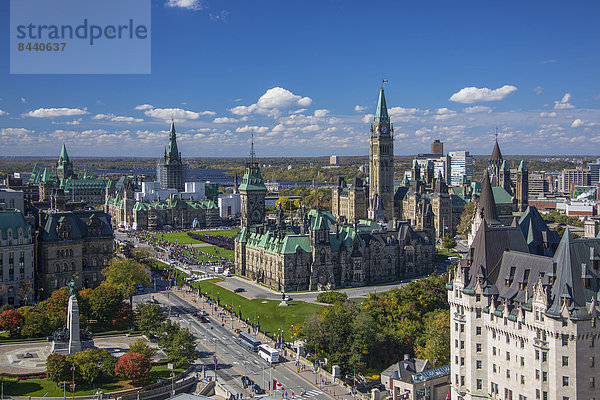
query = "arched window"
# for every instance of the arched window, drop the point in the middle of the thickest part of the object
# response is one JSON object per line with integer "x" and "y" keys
{"x": 56, "y": 267}
{"x": 70, "y": 252}
{"x": 57, "y": 253}
{"x": 72, "y": 266}
{"x": 94, "y": 262}
{"x": 65, "y": 267}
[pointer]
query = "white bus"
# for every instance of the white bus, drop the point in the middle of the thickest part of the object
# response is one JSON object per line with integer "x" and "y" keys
{"x": 268, "y": 353}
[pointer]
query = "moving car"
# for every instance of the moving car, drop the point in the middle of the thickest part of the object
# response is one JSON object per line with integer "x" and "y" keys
{"x": 239, "y": 290}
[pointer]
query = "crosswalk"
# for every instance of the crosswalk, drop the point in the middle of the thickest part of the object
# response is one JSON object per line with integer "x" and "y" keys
{"x": 311, "y": 393}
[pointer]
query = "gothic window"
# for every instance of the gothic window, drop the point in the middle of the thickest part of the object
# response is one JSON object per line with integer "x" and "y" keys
{"x": 56, "y": 267}
{"x": 65, "y": 267}
{"x": 94, "y": 262}
{"x": 323, "y": 257}
{"x": 84, "y": 263}
{"x": 57, "y": 253}
{"x": 72, "y": 266}
{"x": 70, "y": 252}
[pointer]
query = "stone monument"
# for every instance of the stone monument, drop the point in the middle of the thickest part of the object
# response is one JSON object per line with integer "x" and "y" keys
{"x": 71, "y": 339}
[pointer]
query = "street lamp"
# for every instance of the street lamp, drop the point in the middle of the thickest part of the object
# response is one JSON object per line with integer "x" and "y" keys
{"x": 172, "y": 384}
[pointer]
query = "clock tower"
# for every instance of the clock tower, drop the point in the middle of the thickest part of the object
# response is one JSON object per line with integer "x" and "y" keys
{"x": 252, "y": 193}
{"x": 381, "y": 164}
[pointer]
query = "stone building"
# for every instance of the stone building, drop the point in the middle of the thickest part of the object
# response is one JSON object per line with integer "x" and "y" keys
{"x": 524, "y": 313}
{"x": 171, "y": 170}
{"x": 17, "y": 259}
{"x": 175, "y": 213}
{"x": 328, "y": 251}
{"x": 76, "y": 188}
{"x": 72, "y": 244}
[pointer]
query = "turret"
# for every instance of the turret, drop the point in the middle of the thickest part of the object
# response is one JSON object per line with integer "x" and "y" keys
{"x": 522, "y": 187}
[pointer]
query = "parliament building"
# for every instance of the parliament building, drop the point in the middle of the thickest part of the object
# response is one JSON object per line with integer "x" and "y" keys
{"x": 329, "y": 251}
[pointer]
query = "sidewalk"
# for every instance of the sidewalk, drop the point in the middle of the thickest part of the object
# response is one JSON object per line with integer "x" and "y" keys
{"x": 334, "y": 390}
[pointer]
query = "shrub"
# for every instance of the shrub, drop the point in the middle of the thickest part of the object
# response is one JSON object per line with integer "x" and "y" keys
{"x": 331, "y": 297}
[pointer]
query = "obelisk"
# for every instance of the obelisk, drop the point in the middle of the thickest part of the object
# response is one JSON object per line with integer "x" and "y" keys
{"x": 73, "y": 321}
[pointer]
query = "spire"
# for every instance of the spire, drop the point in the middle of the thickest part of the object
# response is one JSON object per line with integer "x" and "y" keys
{"x": 172, "y": 151}
{"x": 522, "y": 166}
{"x": 252, "y": 153}
{"x": 496, "y": 154}
{"x": 504, "y": 166}
{"x": 172, "y": 130}
{"x": 381, "y": 114}
{"x": 568, "y": 285}
{"x": 64, "y": 157}
{"x": 486, "y": 201}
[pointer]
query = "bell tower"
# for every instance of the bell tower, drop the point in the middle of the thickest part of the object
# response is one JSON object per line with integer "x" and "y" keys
{"x": 252, "y": 193}
{"x": 381, "y": 164}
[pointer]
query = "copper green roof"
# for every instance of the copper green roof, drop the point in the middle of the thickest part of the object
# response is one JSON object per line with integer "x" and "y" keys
{"x": 501, "y": 196}
{"x": 320, "y": 218}
{"x": 522, "y": 166}
{"x": 174, "y": 203}
{"x": 13, "y": 220}
{"x": 252, "y": 179}
{"x": 172, "y": 151}
{"x": 82, "y": 184}
{"x": 64, "y": 157}
{"x": 381, "y": 114}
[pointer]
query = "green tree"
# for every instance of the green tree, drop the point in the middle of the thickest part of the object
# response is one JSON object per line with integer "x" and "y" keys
{"x": 435, "y": 342}
{"x": 94, "y": 365}
{"x": 55, "y": 308}
{"x": 141, "y": 347}
{"x": 285, "y": 202}
{"x": 58, "y": 368}
{"x": 149, "y": 318}
{"x": 35, "y": 323}
{"x": 125, "y": 274}
{"x": 449, "y": 242}
{"x": 182, "y": 349}
{"x": 105, "y": 302}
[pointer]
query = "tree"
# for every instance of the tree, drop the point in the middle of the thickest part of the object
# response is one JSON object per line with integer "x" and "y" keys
{"x": 133, "y": 366}
{"x": 93, "y": 365}
{"x": 285, "y": 202}
{"x": 141, "y": 347}
{"x": 24, "y": 291}
{"x": 464, "y": 227}
{"x": 105, "y": 302}
{"x": 55, "y": 308}
{"x": 58, "y": 368}
{"x": 435, "y": 344}
{"x": 449, "y": 242}
{"x": 35, "y": 322}
{"x": 182, "y": 349}
{"x": 11, "y": 320}
{"x": 148, "y": 318}
{"x": 125, "y": 274}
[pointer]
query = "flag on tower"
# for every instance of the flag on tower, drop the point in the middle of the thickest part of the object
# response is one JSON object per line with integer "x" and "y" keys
{"x": 385, "y": 81}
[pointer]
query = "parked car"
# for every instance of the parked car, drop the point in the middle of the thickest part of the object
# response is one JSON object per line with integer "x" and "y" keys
{"x": 246, "y": 381}
{"x": 257, "y": 389}
{"x": 239, "y": 290}
{"x": 203, "y": 319}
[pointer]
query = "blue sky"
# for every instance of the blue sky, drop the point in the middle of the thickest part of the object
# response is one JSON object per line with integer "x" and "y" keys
{"x": 305, "y": 77}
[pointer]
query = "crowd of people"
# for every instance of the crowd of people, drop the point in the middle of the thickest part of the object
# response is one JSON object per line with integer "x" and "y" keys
{"x": 220, "y": 241}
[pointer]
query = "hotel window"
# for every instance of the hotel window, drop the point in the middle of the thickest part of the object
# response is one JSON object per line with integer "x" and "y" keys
{"x": 479, "y": 384}
{"x": 494, "y": 368}
{"x": 507, "y": 339}
{"x": 478, "y": 313}
{"x": 522, "y": 361}
{"x": 456, "y": 327}
{"x": 478, "y": 330}
{"x": 462, "y": 344}
{"x": 522, "y": 379}
{"x": 478, "y": 347}
{"x": 462, "y": 380}
{"x": 462, "y": 361}
{"x": 537, "y": 374}
{"x": 565, "y": 340}
{"x": 544, "y": 376}
{"x": 592, "y": 341}
{"x": 537, "y": 354}
{"x": 462, "y": 328}
{"x": 544, "y": 356}
{"x": 565, "y": 361}
{"x": 565, "y": 381}
{"x": 478, "y": 364}
{"x": 456, "y": 360}
{"x": 508, "y": 374}
{"x": 537, "y": 393}
{"x": 592, "y": 363}
{"x": 592, "y": 382}
{"x": 508, "y": 356}
{"x": 477, "y": 297}
{"x": 494, "y": 350}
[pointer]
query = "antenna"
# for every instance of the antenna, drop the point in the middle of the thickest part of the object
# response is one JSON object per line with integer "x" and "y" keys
{"x": 252, "y": 153}
{"x": 496, "y": 134}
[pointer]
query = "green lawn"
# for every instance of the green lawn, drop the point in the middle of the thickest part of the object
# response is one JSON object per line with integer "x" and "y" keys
{"x": 443, "y": 254}
{"x": 226, "y": 232}
{"x": 176, "y": 237}
{"x": 39, "y": 387}
{"x": 271, "y": 315}
{"x": 183, "y": 238}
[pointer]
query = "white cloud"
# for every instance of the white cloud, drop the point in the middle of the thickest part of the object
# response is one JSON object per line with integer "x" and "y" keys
{"x": 23, "y": 100}
{"x": 477, "y": 109}
{"x": 402, "y": 114}
{"x": 548, "y": 114}
{"x": 187, "y": 4}
{"x": 55, "y": 112}
{"x": 368, "y": 118}
{"x": 2, "y": 112}
{"x": 358, "y": 108}
{"x": 577, "y": 123}
{"x": 298, "y": 111}
{"x": 144, "y": 107}
{"x": 176, "y": 113}
{"x": 321, "y": 113}
{"x": 472, "y": 94}
{"x": 538, "y": 90}
{"x": 256, "y": 129}
{"x": 444, "y": 113}
{"x": 74, "y": 122}
{"x": 225, "y": 120}
{"x": 117, "y": 118}
{"x": 272, "y": 101}
{"x": 563, "y": 104}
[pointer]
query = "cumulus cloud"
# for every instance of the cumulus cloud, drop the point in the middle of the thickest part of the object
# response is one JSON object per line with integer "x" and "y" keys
{"x": 187, "y": 4}
{"x": 256, "y": 129}
{"x": 116, "y": 118}
{"x": 272, "y": 102}
{"x": 548, "y": 114}
{"x": 176, "y": 113}
{"x": 577, "y": 123}
{"x": 444, "y": 113}
{"x": 144, "y": 107}
{"x": 2, "y": 112}
{"x": 538, "y": 90}
{"x": 321, "y": 113}
{"x": 55, "y": 112}
{"x": 402, "y": 114}
{"x": 225, "y": 120}
{"x": 368, "y": 118}
{"x": 298, "y": 111}
{"x": 358, "y": 108}
{"x": 473, "y": 94}
{"x": 477, "y": 109}
{"x": 23, "y": 100}
{"x": 563, "y": 104}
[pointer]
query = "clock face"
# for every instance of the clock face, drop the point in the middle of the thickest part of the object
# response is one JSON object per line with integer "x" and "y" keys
{"x": 384, "y": 129}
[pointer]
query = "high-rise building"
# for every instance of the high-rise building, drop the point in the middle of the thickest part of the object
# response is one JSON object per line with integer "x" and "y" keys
{"x": 461, "y": 167}
{"x": 571, "y": 177}
{"x": 437, "y": 147}
{"x": 381, "y": 164}
{"x": 171, "y": 170}
{"x": 594, "y": 171}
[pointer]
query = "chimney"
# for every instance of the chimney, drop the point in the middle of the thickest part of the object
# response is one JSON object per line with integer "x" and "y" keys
{"x": 406, "y": 357}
